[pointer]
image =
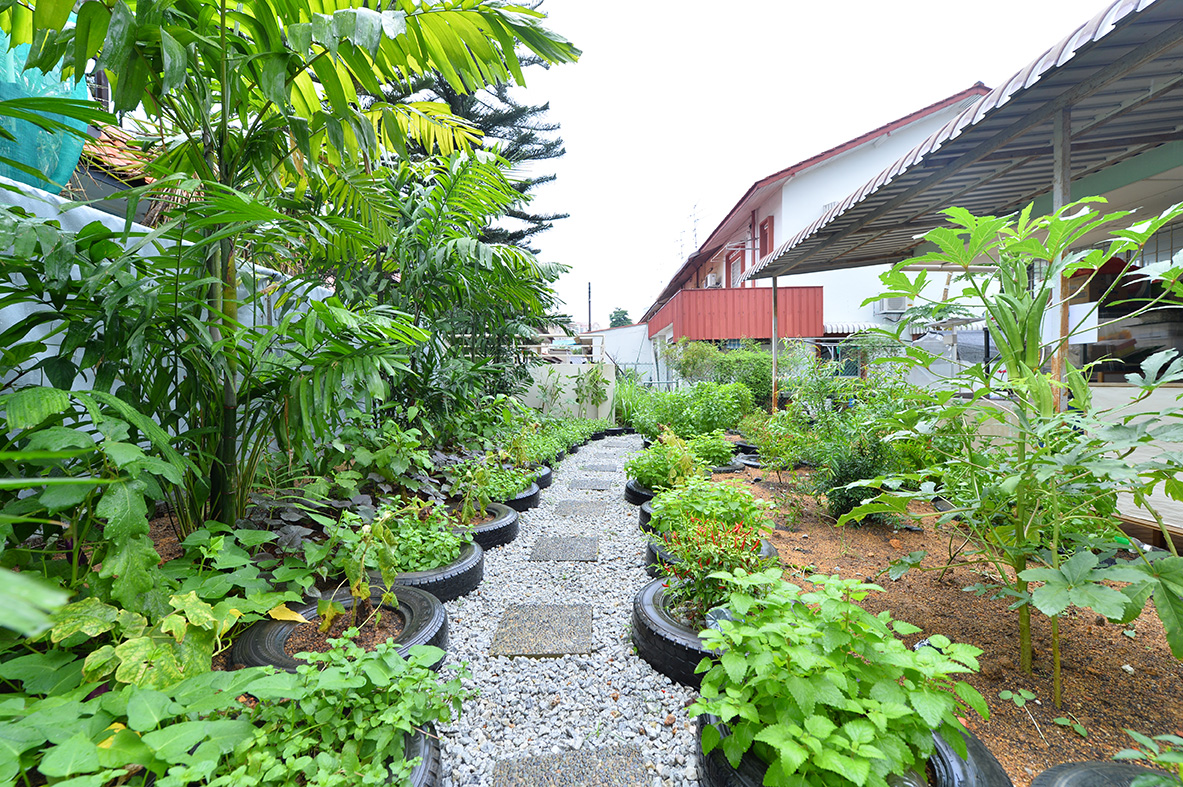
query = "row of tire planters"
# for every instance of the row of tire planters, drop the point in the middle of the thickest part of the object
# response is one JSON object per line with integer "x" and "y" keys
{"x": 978, "y": 769}
{"x": 1095, "y": 773}
{"x": 657, "y": 557}
{"x": 545, "y": 477}
{"x": 637, "y": 494}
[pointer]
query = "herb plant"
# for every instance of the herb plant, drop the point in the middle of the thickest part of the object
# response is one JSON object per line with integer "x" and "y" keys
{"x": 822, "y": 690}
{"x": 1164, "y": 752}
{"x": 712, "y": 449}
{"x": 664, "y": 465}
{"x": 702, "y": 498}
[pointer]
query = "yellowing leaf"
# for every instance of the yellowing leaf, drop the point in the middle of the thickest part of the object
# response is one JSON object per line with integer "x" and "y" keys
{"x": 282, "y": 612}
{"x": 115, "y": 728}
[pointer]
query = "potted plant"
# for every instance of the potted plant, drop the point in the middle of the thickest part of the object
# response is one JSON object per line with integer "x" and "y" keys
{"x": 811, "y": 689}
{"x": 667, "y": 615}
{"x": 663, "y": 465}
{"x": 491, "y": 524}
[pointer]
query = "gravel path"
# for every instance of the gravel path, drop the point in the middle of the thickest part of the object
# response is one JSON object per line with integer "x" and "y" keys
{"x": 607, "y": 699}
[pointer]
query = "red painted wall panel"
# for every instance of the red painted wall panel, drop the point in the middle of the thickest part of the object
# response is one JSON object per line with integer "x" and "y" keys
{"x": 741, "y": 313}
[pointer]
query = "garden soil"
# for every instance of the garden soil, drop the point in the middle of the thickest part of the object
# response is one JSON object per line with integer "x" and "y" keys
{"x": 1114, "y": 676}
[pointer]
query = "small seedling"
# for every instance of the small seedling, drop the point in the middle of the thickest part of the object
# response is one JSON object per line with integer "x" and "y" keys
{"x": 1131, "y": 633}
{"x": 1019, "y": 698}
{"x": 1074, "y": 723}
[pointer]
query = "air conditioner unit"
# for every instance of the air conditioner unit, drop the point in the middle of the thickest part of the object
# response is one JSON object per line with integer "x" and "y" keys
{"x": 896, "y": 305}
{"x": 712, "y": 280}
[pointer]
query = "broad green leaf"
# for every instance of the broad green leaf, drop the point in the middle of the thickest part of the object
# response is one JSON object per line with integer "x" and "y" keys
{"x": 735, "y": 665}
{"x": 931, "y": 705}
{"x": 122, "y": 505}
{"x": 778, "y": 736}
{"x": 26, "y": 601}
{"x": 76, "y": 755}
{"x": 175, "y": 740}
{"x": 175, "y": 61}
{"x": 28, "y": 407}
{"x": 88, "y": 616}
{"x": 40, "y": 673}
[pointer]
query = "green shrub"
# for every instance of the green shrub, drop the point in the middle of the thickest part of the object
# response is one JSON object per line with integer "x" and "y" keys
{"x": 664, "y": 465}
{"x": 415, "y": 537}
{"x": 865, "y": 458}
{"x": 712, "y": 449}
{"x": 824, "y": 692}
{"x": 703, "y": 498}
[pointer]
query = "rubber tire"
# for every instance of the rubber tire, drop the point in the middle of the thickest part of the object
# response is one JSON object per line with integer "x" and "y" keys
{"x": 573, "y": 450}
{"x": 598, "y": 435}
{"x": 1096, "y": 773}
{"x": 560, "y": 456}
{"x": 645, "y": 442}
{"x": 630, "y": 430}
{"x": 735, "y": 467}
{"x": 614, "y": 431}
{"x": 668, "y": 646}
{"x": 500, "y": 531}
{"x": 426, "y": 624}
{"x": 636, "y": 494}
{"x": 456, "y": 579}
{"x": 524, "y": 500}
{"x": 980, "y": 769}
{"x": 656, "y": 554}
{"x": 545, "y": 477}
{"x": 746, "y": 448}
{"x": 426, "y": 745}
{"x": 751, "y": 460}
{"x": 646, "y": 513}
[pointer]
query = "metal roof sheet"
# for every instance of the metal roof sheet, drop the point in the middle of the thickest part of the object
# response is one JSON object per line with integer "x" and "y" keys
{"x": 1118, "y": 72}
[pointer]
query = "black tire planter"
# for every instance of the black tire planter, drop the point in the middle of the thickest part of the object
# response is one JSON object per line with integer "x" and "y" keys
{"x": 978, "y": 769}
{"x": 636, "y": 494}
{"x": 646, "y": 513}
{"x": 499, "y": 532}
{"x": 426, "y": 624}
{"x": 646, "y": 442}
{"x": 614, "y": 431}
{"x": 656, "y": 555}
{"x": 750, "y": 460}
{"x": 560, "y": 456}
{"x": 524, "y": 500}
{"x": 573, "y": 450}
{"x": 746, "y": 448}
{"x": 670, "y": 647}
{"x": 545, "y": 477}
{"x": 425, "y": 745}
{"x": 599, "y": 435}
{"x": 630, "y": 430}
{"x": 1096, "y": 773}
{"x": 735, "y": 467}
{"x": 456, "y": 579}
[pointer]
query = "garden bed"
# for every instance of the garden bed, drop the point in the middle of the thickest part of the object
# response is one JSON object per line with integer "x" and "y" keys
{"x": 1099, "y": 691}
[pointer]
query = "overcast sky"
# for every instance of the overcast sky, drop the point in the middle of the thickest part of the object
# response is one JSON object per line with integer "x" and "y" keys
{"x": 678, "y": 107}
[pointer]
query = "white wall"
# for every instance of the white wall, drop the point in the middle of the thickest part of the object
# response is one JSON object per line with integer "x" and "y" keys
{"x": 568, "y": 374}
{"x": 629, "y": 347}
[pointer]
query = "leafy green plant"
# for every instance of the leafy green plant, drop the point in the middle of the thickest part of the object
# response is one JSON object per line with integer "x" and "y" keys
{"x": 550, "y": 388}
{"x": 703, "y": 548}
{"x": 864, "y": 458}
{"x": 1019, "y": 698}
{"x": 1072, "y": 723}
{"x": 823, "y": 691}
{"x": 712, "y": 449}
{"x": 702, "y": 498}
{"x": 664, "y": 465}
{"x": 591, "y": 389}
{"x": 1164, "y": 752}
{"x": 1037, "y": 496}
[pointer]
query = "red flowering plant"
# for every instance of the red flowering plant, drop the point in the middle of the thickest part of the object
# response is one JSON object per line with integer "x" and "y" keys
{"x": 702, "y": 547}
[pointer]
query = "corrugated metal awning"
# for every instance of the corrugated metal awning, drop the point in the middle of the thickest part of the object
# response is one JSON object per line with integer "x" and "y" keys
{"x": 1119, "y": 74}
{"x": 849, "y": 327}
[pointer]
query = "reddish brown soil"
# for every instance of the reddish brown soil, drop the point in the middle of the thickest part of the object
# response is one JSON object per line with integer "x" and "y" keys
{"x": 307, "y": 637}
{"x": 1099, "y": 691}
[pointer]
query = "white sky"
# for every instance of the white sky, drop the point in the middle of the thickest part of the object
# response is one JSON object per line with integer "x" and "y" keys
{"x": 681, "y": 104}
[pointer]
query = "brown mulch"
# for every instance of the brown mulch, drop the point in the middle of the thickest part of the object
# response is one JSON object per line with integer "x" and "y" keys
{"x": 1100, "y": 690}
{"x": 308, "y": 638}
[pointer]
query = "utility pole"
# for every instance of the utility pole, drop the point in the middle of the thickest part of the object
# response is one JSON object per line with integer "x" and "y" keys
{"x": 589, "y": 305}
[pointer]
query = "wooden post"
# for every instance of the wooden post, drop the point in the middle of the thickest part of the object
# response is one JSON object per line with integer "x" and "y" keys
{"x": 775, "y": 348}
{"x": 1061, "y": 196}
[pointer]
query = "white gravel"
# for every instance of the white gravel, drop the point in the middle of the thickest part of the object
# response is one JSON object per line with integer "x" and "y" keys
{"x": 529, "y": 707}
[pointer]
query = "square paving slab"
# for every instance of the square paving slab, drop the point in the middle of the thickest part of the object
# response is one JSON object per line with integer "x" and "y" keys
{"x": 600, "y": 468}
{"x": 578, "y": 508}
{"x": 580, "y": 548}
{"x": 616, "y": 766}
{"x": 543, "y": 630}
{"x": 598, "y": 484}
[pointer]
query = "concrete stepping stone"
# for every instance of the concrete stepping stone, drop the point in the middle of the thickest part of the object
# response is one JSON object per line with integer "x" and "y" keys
{"x": 597, "y": 484}
{"x": 578, "y": 508}
{"x": 600, "y": 468}
{"x": 580, "y": 548}
{"x": 544, "y": 630}
{"x": 614, "y": 766}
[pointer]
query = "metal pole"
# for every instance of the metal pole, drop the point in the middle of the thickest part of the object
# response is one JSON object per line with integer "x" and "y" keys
{"x": 1061, "y": 196}
{"x": 775, "y": 350}
{"x": 589, "y": 305}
